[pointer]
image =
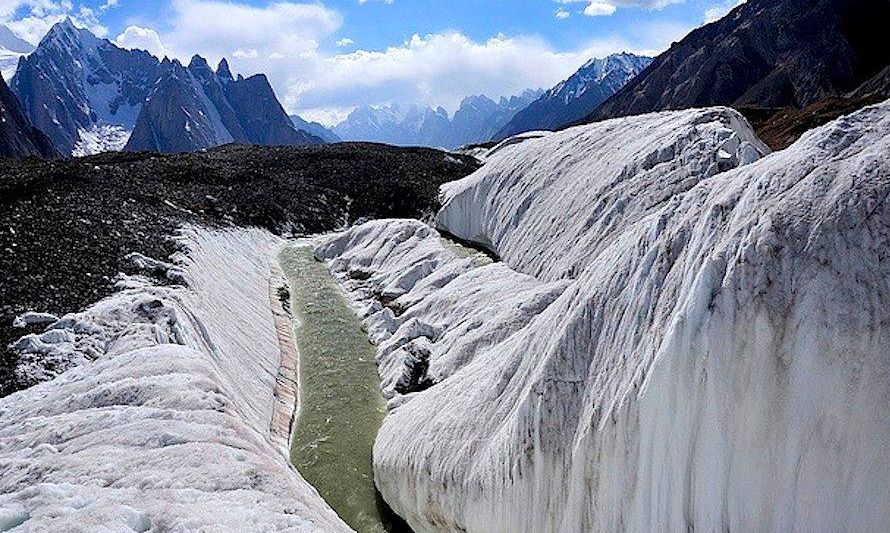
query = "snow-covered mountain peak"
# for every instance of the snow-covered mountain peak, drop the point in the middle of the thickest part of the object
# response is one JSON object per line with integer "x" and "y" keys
{"x": 620, "y": 61}
{"x": 67, "y": 36}
{"x": 622, "y": 66}
{"x": 86, "y": 93}
{"x": 477, "y": 119}
{"x": 578, "y": 95}
{"x": 75, "y": 82}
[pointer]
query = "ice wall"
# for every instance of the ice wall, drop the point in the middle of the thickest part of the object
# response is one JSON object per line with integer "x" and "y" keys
{"x": 570, "y": 193}
{"x": 162, "y": 418}
{"x": 672, "y": 344}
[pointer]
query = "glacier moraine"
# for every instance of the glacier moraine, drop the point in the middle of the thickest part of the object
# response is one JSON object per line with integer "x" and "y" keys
{"x": 685, "y": 332}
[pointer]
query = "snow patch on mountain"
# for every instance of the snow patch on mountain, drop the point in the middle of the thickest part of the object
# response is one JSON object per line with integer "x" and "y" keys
{"x": 163, "y": 418}
{"x": 681, "y": 335}
{"x": 12, "y": 48}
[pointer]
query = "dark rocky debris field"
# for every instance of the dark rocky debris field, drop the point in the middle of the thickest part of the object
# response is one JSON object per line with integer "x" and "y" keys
{"x": 66, "y": 226}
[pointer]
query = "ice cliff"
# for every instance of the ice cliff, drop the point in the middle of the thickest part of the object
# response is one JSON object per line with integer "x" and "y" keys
{"x": 682, "y": 335}
{"x": 164, "y": 418}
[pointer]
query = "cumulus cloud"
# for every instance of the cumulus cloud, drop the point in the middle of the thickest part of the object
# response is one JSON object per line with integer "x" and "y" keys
{"x": 317, "y": 72}
{"x": 562, "y": 14}
{"x": 284, "y": 27}
{"x": 597, "y": 8}
{"x": 138, "y": 38}
{"x": 296, "y": 45}
{"x": 600, "y": 8}
{"x": 31, "y": 19}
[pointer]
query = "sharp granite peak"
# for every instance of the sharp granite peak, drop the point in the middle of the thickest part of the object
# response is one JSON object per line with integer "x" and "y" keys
{"x": 90, "y": 95}
{"x": 194, "y": 108}
{"x": 577, "y": 96}
{"x": 76, "y": 83}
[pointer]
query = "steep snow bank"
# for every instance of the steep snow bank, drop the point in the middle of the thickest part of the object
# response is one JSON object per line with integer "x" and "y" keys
{"x": 696, "y": 350}
{"x": 162, "y": 419}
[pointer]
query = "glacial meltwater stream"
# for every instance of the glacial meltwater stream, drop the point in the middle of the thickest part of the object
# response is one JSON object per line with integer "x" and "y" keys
{"x": 341, "y": 407}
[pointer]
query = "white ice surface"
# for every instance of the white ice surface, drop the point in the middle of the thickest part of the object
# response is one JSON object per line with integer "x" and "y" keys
{"x": 666, "y": 348}
{"x": 162, "y": 420}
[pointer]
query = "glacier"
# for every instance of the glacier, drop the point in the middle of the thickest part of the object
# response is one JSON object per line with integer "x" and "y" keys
{"x": 100, "y": 138}
{"x": 685, "y": 333}
{"x": 170, "y": 406}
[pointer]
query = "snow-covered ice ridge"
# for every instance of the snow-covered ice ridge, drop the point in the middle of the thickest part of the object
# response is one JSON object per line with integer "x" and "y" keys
{"x": 162, "y": 420}
{"x": 670, "y": 344}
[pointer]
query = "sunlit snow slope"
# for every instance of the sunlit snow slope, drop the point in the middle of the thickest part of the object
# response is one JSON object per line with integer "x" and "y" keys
{"x": 163, "y": 420}
{"x": 681, "y": 336}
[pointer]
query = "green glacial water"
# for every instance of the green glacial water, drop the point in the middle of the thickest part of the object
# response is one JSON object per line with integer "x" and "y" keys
{"x": 342, "y": 407}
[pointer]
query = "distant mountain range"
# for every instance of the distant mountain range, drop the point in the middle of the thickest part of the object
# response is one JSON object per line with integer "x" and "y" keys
{"x": 576, "y": 97}
{"x": 766, "y": 54}
{"x": 314, "y": 128}
{"x": 481, "y": 119}
{"x": 478, "y": 119}
{"x": 88, "y": 95}
{"x": 12, "y": 47}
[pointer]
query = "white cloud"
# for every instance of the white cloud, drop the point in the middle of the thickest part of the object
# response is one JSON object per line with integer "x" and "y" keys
{"x": 287, "y": 28}
{"x": 562, "y": 14}
{"x": 31, "y": 19}
{"x": 597, "y": 8}
{"x": 294, "y": 44}
{"x": 600, "y": 8}
{"x": 438, "y": 69}
{"x": 138, "y": 38}
{"x": 346, "y": 41}
{"x": 328, "y": 116}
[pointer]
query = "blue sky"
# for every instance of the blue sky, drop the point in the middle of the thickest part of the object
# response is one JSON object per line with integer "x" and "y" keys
{"x": 326, "y": 57}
